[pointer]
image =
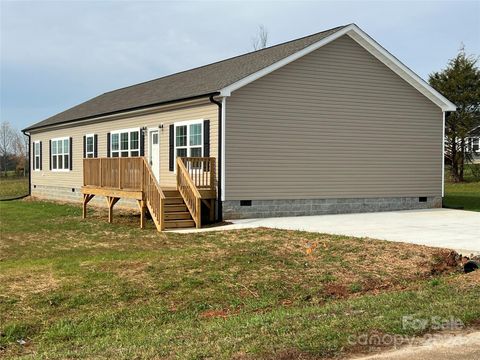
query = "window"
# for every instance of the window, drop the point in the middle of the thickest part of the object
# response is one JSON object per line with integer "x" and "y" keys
{"x": 90, "y": 146}
{"x": 125, "y": 143}
{"x": 36, "y": 152}
{"x": 60, "y": 160}
{"x": 476, "y": 144}
{"x": 189, "y": 139}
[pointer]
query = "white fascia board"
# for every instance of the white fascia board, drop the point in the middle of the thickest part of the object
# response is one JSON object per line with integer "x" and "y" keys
{"x": 368, "y": 44}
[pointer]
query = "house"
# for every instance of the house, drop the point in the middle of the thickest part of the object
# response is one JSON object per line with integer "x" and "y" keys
{"x": 328, "y": 123}
{"x": 473, "y": 145}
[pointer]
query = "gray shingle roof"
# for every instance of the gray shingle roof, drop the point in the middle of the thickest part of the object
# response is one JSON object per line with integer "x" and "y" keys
{"x": 199, "y": 81}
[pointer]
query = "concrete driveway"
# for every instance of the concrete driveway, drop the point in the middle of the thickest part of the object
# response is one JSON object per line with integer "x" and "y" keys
{"x": 454, "y": 229}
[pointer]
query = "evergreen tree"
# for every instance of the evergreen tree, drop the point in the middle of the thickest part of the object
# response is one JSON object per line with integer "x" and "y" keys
{"x": 460, "y": 83}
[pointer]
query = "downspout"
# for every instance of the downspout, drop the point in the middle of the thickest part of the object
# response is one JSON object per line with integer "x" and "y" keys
{"x": 220, "y": 157}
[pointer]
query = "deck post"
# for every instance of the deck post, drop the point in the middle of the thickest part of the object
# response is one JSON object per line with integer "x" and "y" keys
{"x": 198, "y": 206}
{"x": 119, "y": 173}
{"x": 142, "y": 207}
{"x": 86, "y": 199}
{"x": 111, "y": 201}
{"x": 84, "y": 210}
{"x": 212, "y": 210}
{"x": 101, "y": 173}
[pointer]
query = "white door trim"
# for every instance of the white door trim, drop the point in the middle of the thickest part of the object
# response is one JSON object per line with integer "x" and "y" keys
{"x": 150, "y": 152}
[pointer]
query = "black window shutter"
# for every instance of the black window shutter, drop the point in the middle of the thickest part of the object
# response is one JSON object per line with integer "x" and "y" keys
{"x": 40, "y": 155}
{"x": 206, "y": 138}
{"x": 142, "y": 142}
{"x": 50, "y": 154}
{"x": 71, "y": 153}
{"x": 108, "y": 144}
{"x": 95, "y": 145}
{"x": 32, "y": 148}
{"x": 171, "y": 147}
{"x": 84, "y": 146}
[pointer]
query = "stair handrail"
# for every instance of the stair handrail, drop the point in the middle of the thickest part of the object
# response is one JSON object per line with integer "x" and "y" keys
{"x": 153, "y": 196}
{"x": 189, "y": 193}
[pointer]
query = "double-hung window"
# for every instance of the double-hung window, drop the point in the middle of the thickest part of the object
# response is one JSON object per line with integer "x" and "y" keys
{"x": 125, "y": 143}
{"x": 36, "y": 151}
{"x": 90, "y": 146}
{"x": 60, "y": 154}
{"x": 189, "y": 139}
{"x": 476, "y": 144}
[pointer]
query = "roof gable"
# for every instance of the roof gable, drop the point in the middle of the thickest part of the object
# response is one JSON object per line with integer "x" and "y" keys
{"x": 368, "y": 44}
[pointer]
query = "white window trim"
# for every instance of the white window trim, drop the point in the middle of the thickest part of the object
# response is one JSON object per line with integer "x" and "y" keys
{"x": 35, "y": 156}
{"x": 93, "y": 142}
{"x": 187, "y": 123}
{"x": 119, "y": 143}
{"x": 478, "y": 139}
{"x": 63, "y": 153}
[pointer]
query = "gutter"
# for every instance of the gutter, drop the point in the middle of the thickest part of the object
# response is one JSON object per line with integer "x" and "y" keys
{"x": 220, "y": 157}
{"x": 117, "y": 112}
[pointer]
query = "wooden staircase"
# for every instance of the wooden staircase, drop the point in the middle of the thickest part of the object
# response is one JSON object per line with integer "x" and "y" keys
{"x": 132, "y": 178}
{"x": 175, "y": 211}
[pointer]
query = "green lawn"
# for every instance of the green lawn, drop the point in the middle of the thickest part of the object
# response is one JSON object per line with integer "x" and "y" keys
{"x": 87, "y": 289}
{"x": 464, "y": 195}
{"x": 12, "y": 187}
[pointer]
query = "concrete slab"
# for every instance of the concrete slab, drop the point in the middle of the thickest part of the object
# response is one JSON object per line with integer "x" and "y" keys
{"x": 445, "y": 228}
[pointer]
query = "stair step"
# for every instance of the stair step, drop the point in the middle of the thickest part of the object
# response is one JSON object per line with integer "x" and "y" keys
{"x": 175, "y": 208}
{"x": 180, "y": 215}
{"x": 173, "y": 200}
{"x": 170, "y": 224}
{"x": 171, "y": 193}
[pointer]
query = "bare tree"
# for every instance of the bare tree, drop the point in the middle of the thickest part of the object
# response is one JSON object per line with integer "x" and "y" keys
{"x": 20, "y": 150}
{"x": 261, "y": 39}
{"x": 6, "y": 143}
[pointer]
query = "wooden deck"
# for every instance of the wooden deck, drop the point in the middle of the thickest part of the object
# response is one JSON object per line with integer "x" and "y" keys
{"x": 132, "y": 178}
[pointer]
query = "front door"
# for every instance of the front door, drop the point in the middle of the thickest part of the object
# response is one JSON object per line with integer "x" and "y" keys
{"x": 154, "y": 153}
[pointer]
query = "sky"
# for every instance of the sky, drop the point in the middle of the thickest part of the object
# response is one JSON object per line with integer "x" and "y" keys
{"x": 57, "y": 54}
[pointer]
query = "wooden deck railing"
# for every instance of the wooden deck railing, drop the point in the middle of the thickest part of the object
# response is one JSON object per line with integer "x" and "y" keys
{"x": 189, "y": 193}
{"x": 116, "y": 173}
{"x": 154, "y": 196}
{"x": 128, "y": 173}
{"x": 202, "y": 171}
{"x": 195, "y": 174}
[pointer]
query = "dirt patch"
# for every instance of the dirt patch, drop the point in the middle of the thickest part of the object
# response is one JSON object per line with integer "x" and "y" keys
{"x": 445, "y": 261}
{"x": 209, "y": 314}
{"x": 24, "y": 284}
{"x": 336, "y": 291}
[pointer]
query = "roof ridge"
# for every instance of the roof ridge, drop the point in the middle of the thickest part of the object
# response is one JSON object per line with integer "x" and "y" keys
{"x": 227, "y": 59}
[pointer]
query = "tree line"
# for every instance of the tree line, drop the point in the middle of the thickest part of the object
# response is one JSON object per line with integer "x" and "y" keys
{"x": 13, "y": 151}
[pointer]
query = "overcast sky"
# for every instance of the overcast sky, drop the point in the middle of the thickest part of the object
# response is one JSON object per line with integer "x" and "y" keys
{"x": 57, "y": 54}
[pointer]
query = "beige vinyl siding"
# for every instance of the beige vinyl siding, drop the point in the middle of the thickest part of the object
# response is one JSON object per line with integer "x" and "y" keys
{"x": 336, "y": 123}
{"x": 74, "y": 178}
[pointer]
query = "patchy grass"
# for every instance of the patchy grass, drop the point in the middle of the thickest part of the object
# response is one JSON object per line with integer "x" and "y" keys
{"x": 13, "y": 187}
{"x": 72, "y": 288}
